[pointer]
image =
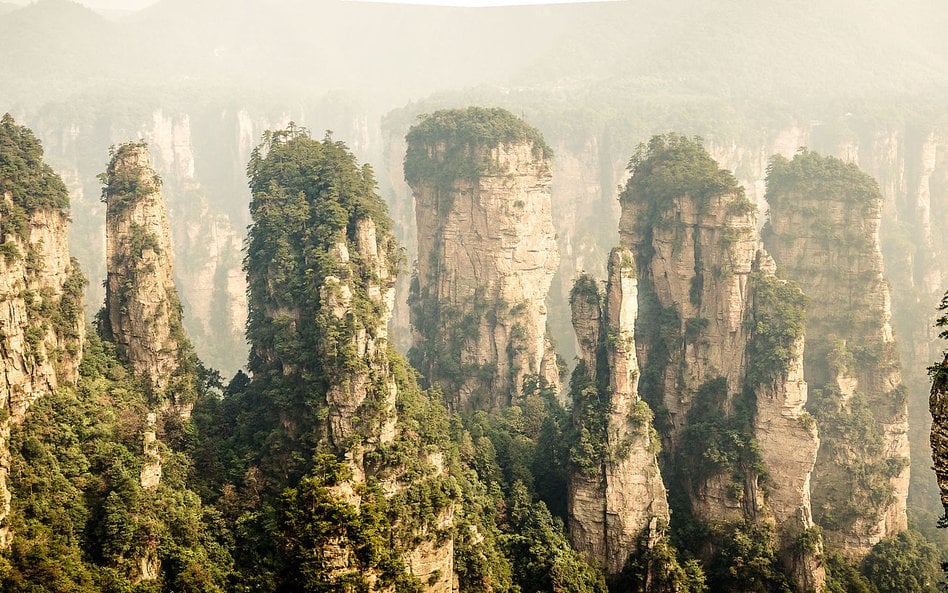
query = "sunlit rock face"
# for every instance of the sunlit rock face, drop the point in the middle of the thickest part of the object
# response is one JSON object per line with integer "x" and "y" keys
{"x": 617, "y": 499}
{"x": 487, "y": 255}
{"x": 823, "y": 233}
{"x": 720, "y": 343}
{"x": 41, "y": 319}
{"x": 142, "y": 305}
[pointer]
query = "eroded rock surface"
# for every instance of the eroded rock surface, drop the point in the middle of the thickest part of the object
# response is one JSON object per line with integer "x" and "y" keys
{"x": 720, "y": 339}
{"x": 617, "y": 498}
{"x": 823, "y": 233}
{"x": 41, "y": 320}
{"x": 142, "y": 305}
{"x": 487, "y": 255}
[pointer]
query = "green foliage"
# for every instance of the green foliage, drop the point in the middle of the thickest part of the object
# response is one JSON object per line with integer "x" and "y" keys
{"x": 31, "y": 183}
{"x": 671, "y": 166}
{"x": 660, "y": 328}
{"x": 778, "y": 321}
{"x": 856, "y": 442}
{"x": 715, "y": 441}
{"x": 308, "y": 197}
{"x": 126, "y": 180}
{"x": 540, "y": 553}
{"x": 905, "y": 563}
{"x": 588, "y": 444}
{"x": 656, "y": 567}
{"x": 939, "y": 371}
{"x": 80, "y": 515}
{"x": 844, "y": 577}
{"x": 454, "y": 144}
{"x": 810, "y": 174}
{"x": 314, "y": 523}
{"x": 746, "y": 562}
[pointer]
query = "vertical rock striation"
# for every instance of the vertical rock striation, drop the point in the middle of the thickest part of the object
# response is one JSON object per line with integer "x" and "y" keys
{"x": 720, "y": 343}
{"x": 143, "y": 312}
{"x": 617, "y": 500}
{"x": 487, "y": 254}
{"x": 41, "y": 321}
{"x": 823, "y": 233}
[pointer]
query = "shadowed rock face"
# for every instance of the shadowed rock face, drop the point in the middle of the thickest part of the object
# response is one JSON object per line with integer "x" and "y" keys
{"x": 823, "y": 233}
{"x": 41, "y": 321}
{"x": 487, "y": 255}
{"x": 938, "y": 403}
{"x": 712, "y": 316}
{"x": 618, "y": 499}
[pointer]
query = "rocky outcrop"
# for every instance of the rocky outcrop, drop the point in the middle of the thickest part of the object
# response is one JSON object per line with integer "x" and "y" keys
{"x": 487, "y": 254}
{"x": 141, "y": 303}
{"x": 617, "y": 498}
{"x": 720, "y": 341}
{"x": 695, "y": 258}
{"x": 41, "y": 321}
{"x": 823, "y": 233}
{"x": 348, "y": 394}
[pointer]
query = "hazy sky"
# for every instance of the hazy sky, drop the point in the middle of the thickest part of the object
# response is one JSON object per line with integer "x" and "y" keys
{"x": 137, "y": 4}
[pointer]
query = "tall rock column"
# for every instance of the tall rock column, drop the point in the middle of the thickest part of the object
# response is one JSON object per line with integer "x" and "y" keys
{"x": 41, "y": 321}
{"x": 617, "y": 500}
{"x": 823, "y": 233}
{"x": 142, "y": 312}
{"x": 321, "y": 267}
{"x": 720, "y": 340}
{"x": 141, "y": 302}
{"x": 487, "y": 255}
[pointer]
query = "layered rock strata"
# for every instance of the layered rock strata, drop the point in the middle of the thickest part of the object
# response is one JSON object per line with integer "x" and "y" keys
{"x": 41, "y": 320}
{"x": 719, "y": 340}
{"x": 785, "y": 433}
{"x": 487, "y": 255}
{"x": 617, "y": 498}
{"x": 823, "y": 233}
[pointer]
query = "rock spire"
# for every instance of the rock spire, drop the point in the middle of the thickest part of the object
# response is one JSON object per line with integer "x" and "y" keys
{"x": 487, "y": 255}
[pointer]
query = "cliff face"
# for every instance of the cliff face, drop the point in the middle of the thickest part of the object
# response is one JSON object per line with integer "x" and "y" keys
{"x": 41, "y": 321}
{"x": 142, "y": 305}
{"x": 824, "y": 234}
{"x": 617, "y": 500}
{"x": 487, "y": 255}
{"x": 720, "y": 340}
